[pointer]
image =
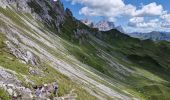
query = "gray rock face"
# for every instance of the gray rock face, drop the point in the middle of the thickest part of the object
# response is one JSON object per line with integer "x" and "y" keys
{"x": 5, "y": 3}
{"x": 10, "y": 83}
{"x": 105, "y": 25}
{"x": 33, "y": 71}
{"x": 22, "y": 54}
{"x": 20, "y": 5}
{"x": 68, "y": 12}
{"x": 51, "y": 12}
{"x": 80, "y": 34}
{"x": 6, "y": 77}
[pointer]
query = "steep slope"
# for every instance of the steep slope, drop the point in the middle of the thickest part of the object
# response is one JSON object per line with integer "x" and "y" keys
{"x": 39, "y": 36}
{"x": 27, "y": 54}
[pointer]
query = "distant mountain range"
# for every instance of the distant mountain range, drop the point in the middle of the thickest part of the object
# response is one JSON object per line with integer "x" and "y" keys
{"x": 102, "y": 25}
{"x": 105, "y": 25}
{"x": 156, "y": 36}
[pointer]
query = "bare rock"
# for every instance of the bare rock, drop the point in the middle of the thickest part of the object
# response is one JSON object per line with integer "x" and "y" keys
{"x": 10, "y": 91}
{"x": 22, "y": 54}
{"x": 33, "y": 71}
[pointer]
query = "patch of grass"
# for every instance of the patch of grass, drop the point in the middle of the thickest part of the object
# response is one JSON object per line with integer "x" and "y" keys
{"x": 1, "y": 41}
{"x": 87, "y": 54}
{"x": 155, "y": 92}
{"x": 4, "y": 95}
{"x": 12, "y": 15}
{"x": 65, "y": 84}
{"x": 9, "y": 61}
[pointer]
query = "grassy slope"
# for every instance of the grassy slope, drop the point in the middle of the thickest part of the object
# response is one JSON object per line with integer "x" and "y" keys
{"x": 142, "y": 56}
{"x": 3, "y": 95}
{"x": 8, "y": 61}
{"x": 146, "y": 57}
{"x": 150, "y": 59}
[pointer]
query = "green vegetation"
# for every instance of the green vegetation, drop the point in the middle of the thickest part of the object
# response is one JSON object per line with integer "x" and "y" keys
{"x": 146, "y": 55}
{"x": 1, "y": 41}
{"x": 9, "y": 61}
{"x": 4, "y": 95}
{"x": 65, "y": 84}
{"x": 86, "y": 53}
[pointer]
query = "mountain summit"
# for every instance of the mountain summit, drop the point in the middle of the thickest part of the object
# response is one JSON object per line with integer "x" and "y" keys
{"x": 105, "y": 25}
{"x": 102, "y": 25}
{"x": 46, "y": 53}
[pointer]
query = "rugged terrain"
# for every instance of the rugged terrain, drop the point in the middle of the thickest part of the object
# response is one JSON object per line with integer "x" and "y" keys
{"x": 41, "y": 42}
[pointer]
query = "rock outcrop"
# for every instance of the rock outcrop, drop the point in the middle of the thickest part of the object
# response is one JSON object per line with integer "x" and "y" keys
{"x": 11, "y": 84}
{"x": 26, "y": 56}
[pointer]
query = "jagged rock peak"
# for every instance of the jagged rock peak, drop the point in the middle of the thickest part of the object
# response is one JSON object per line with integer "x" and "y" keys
{"x": 68, "y": 12}
{"x": 105, "y": 25}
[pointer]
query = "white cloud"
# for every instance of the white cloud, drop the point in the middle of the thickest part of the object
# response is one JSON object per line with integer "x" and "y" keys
{"x": 166, "y": 17}
{"x": 106, "y": 8}
{"x": 152, "y": 24}
{"x": 138, "y": 17}
{"x": 151, "y": 9}
{"x": 115, "y": 8}
{"x": 141, "y": 22}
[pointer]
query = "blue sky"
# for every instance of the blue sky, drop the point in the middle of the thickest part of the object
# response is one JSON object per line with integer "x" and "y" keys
{"x": 132, "y": 15}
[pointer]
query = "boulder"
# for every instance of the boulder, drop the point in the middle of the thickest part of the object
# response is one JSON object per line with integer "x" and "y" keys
{"x": 10, "y": 91}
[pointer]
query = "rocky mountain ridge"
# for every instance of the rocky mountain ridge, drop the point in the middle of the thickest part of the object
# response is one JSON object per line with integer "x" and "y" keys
{"x": 102, "y": 25}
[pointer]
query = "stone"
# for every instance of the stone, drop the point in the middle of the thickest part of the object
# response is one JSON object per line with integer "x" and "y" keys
{"x": 33, "y": 71}
{"x": 25, "y": 55}
{"x": 10, "y": 91}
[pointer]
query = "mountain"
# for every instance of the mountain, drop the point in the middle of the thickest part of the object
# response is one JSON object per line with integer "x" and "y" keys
{"x": 87, "y": 22}
{"x": 156, "y": 36}
{"x": 104, "y": 25}
{"x": 119, "y": 28}
{"x": 43, "y": 45}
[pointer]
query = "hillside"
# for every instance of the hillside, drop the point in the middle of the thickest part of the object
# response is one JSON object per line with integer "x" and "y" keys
{"x": 41, "y": 43}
